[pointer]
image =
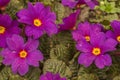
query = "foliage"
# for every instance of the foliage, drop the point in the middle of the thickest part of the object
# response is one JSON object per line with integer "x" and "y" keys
{"x": 107, "y": 6}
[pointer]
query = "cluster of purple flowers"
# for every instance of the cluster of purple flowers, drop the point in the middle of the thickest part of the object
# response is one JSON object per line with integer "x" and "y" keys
{"x": 38, "y": 19}
{"x": 92, "y": 40}
{"x": 94, "y": 43}
{"x": 20, "y": 54}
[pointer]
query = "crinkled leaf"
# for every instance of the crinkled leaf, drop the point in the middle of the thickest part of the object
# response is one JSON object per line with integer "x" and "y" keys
{"x": 57, "y": 66}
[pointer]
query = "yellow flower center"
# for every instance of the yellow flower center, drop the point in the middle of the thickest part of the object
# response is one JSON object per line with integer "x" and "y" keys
{"x": 37, "y": 22}
{"x": 96, "y": 51}
{"x": 87, "y": 38}
{"x": 2, "y": 29}
{"x": 118, "y": 38}
{"x": 23, "y": 54}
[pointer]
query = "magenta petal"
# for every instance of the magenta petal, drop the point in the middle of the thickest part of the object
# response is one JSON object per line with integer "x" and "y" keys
{"x": 98, "y": 39}
{"x": 51, "y": 28}
{"x": 15, "y": 65}
{"x": 9, "y": 59}
{"x": 14, "y": 29}
{"x": 5, "y": 52}
{"x": 34, "y": 58}
{"x": 9, "y": 56}
{"x": 77, "y": 35}
{"x": 36, "y": 33}
{"x": 25, "y": 17}
{"x": 31, "y": 45}
{"x": 70, "y": 3}
{"x": 84, "y": 46}
{"x": 56, "y": 77}
{"x": 109, "y": 45}
{"x": 47, "y": 16}
{"x": 102, "y": 61}
{"x": 90, "y": 3}
{"x": 84, "y": 28}
{"x": 86, "y": 59}
{"x": 3, "y": 41}
{"x": 23, "y": 68}
{"x": 64, "y": 79}
{"x": 44, "y": 12}
{"x": 15, "y": 42}
{"x": 110, "y": 34}
{"x": 38, "y": 7}
{"x": 5, "y": 20}
{"x": 31, "y": 9}
{"x": 116, "y": 26}
{"x": 51, "y": 76}
{"x": 43, "y": 77}
{"x": 108, "y": 60}
{"x": 3, "y": 3}
{"x": 96, "y": 27}
{"x": 47, "y": 76}
{"x": 50, "y": 17}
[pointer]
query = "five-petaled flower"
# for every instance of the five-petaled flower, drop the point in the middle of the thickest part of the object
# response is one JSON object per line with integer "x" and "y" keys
{"x": 20, "y": 55}
{"x": 38, "y": 19}
{"x": 96, "y": 50}
{"x": 51, "y": 76}
{"x": 8, "y": 27}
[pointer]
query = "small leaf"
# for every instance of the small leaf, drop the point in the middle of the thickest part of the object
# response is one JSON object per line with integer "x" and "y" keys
{"x": 116, "y": 77}
{"x": 60, "y": 52}
{"x": 57, "y": 66}
{"x": 33, "y": 74}
{"x": 6, "y": 74}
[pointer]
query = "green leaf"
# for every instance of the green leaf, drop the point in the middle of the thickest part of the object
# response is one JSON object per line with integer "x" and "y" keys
{"x": 33, "y": 74}
{"x": 83, "y": 74}
{"x": 117, "y": 77}
{"x": 57, "y": 66}
{"x": 14, "y": 6}
{"x": 6, "y": 74}
{"x": 60, "y": 52}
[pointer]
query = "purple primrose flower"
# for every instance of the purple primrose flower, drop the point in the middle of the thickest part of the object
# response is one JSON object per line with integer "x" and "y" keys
{"x": 8, "y": 27}
{"x": 38, "y": 19}
{"x": 20, "y": 55}
{"x": 51, "y": 76}
{"x": 96, "y": 51}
